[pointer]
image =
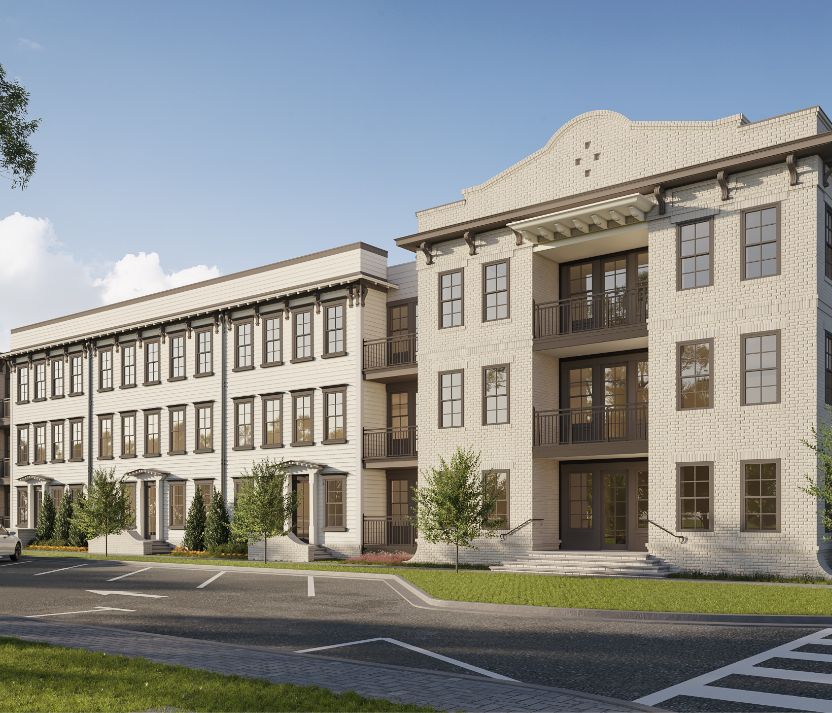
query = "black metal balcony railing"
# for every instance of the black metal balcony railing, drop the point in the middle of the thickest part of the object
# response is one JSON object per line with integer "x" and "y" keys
{"x": 390, "y": 442}
{"x": 597, "y": 424}
{"x": 584, "y": 313}
{"x": 389, "y": 352}
{"x": 389, "y": 531}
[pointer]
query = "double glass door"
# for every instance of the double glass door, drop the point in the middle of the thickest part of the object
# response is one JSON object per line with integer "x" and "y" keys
{"x": 149, "y": 508}
{"x": 604, "y": 506}
{"x": 300, "y": 524}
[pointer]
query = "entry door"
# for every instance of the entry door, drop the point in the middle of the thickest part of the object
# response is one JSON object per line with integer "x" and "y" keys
{"x": 300, "y": 524}
{"x": 615, "y": 402}
{"x": 149, "y": 510}
{"x": 38, "y": 503}
{"x": 401, "y": 328}
{"x": 579, "y": 505}
{"x": 615, "y": 497}
{"x": 401, "y": 507}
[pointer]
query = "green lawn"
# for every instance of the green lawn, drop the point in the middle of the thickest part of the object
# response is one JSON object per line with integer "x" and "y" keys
{"x": 38, "y": 677}
{"x": 666, "y": 595}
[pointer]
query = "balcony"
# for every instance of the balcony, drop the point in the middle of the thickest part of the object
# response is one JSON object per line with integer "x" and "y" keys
{"x": 390, "y": 447}
{"x": 390, "y": 359}
{"x": 5, "y": 468}
{"x": 611, "y": 316}
{"x": 389, "y": 532}
{"x": 593, "y": 431}
{"x": 5, "y": 411}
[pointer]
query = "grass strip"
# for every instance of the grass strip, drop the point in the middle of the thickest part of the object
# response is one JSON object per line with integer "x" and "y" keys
{"x": 662, "y": 595}
{"x": 40, "y": 677}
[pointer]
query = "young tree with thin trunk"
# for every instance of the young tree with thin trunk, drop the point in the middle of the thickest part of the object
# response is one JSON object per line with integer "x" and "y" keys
{"x": 264, "y": 505}
{"x": 455, "y": 506}
{"x": 820, "y": 486}
{"x": 107, "y": 509}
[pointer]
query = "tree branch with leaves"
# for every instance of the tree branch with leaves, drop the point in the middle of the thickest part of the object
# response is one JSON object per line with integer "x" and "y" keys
{"x": 17, "y": 158}
{"x": 106, "y": 510}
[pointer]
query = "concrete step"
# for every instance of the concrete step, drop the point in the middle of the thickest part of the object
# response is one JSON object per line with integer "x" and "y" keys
{"x": 160, "y": 547}
{"x": 322, "y": 554}
{"x": 583, "y": 573}
{"x": 604, "y": 563}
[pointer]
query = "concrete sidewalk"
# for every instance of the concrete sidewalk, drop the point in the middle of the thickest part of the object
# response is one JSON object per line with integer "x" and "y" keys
{"x": 444, "y": 691}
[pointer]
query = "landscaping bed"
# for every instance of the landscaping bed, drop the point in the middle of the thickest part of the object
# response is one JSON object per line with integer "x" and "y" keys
{"x": 662, "y": 595}
{"x": 39, "y": 677}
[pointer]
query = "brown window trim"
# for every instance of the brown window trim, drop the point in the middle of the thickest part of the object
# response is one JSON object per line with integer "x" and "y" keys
{"x": 33, "y": 383}
{"x": 485, "y": 265}
{"x": 171, "y": 411}
{"x": 52, "y": 378}
{"x": 129, "y": 384}
{"x": 147, "y": 413}
{"x": 679, "y": 467}
{"x": 326, "y": 306}
{"x": 70, "y": 392}
{"x": 439, "y": 277}
{"x": 497, "y": 471}
{"x": 72, "y": 422}
{"x": 198, "y": 405}
{"x": 295, "y": 396}
{"x": 236, "y": 401}
{"x": 171, "y": 337}
{"x": 743, "y": 337}
{"x": 777, "y": 463}
{"x": 171, "y": 486}
{"x": 35, "y": 427}
{"x": 127, "y": 414}
{"x": 264, "y": 398}
{"x": 101, "y": 352}
{"x": 295, "y": 358}
{"x": 333, "y": 390}
{"x": 754, "y": 209}
{"x": 462, "y": 400}
{"x": 336, "y": 528}
{"x": 485, "y": 369}
{"x": 145, "y": 344}
{"x": 237, "y": 323}
{"x": 103, "y": 417}
{"x": 20, "y": 427}
{"x": 20, "y": 369}
{"x": 679, "y": 346}
{"x": 679, "y": 226}
{"x": 278, "y": 317}
{"x": 52, "y": 423}
{"x": 202, "y": 330}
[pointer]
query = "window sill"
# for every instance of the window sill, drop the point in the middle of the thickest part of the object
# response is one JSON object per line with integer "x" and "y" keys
{"x": 20, "y": 403}
{"x": 21, "y": 464}
{"x": 127, "y": 386}
{"x": 333, "y": 355}
{"x": 302, "y": 444}
{"x": 152, "y": 383}
{"x": 105, "y": 390}
{"x": 242, "y": 448}
{"x": 242, "y": 368}
{"x": 77, "y": 393}
{"x": 203, "y": 375}
{"x": 267, "y": 364}
{"x": 695, "y": 408}
{"x": 128, "y": 455}
{"x": 336, "y": 529}
{"x": 177, "y": 378}
{"x": 57, "y": 460}
{"x": 38, "y": 462}
{"x": 177, "y": 453}
{"x": 104, "y": 458}
{"x": 301, "y": 360}
{"x": 335, "y": 441}
{"x": 36, "y": 401}
{"x": 59, "y": 396}
{"x": 272, "y": 445}
{"x": 203, "y": 450}
{"x": 152, "y": 455}
{"x": 76, "y": 460}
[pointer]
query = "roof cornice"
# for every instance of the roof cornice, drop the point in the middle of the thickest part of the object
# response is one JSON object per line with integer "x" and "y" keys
{"x": 819, "y": 144}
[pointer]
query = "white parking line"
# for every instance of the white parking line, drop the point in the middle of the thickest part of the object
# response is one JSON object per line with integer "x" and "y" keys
{"x": 208, "y": 581}
{"x": 418, "y": 650}
{"x": 129, "y": 574}
{"x": 62, "y": 569}
{"x": 83, "y": 611}
{"x": 12, "y": 564}
{"x": 310, "y": 586}
{"x": 698, "y": 687}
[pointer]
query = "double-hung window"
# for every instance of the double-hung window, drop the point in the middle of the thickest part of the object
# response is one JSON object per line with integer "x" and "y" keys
{"x": 244, "y": 423}
{"x": 335, "y": 415}
{"x": 176, "y": 492}
{"x": 695, "y": 387}
{"x": 153, "y": 433}
{"x": 57, "y": 378}
{"x": 695, "y": 255}
{"x": 177, "y": 358}
{"x": 761, "y": 368}
{"x": 272, "y": 340}
{"x": 151, "y": 362}
{"x": 40, "y": 381}
{"x": 761, "y": 238}
{"x": 176, "y": 420}
{"x": 302, "y": 338}
{"x": 76, "y": 439}
{"x": 760, "y": 508}
{"x": 272, "y": 421}
{"x": 128, "y": 365}
{"x": 204, "y": 352}
{"x": 58, "y": 442}
{"x": 495, "y": 390}
{"x": 204, "y": 428}
{"x": 22, "y": 384}
{"x": 40, "y": 443}
{"x": 105, "y": 436}
{"x": 76, "y": 369}
{"x": 495, "y": 291}
{"x": 128, "y": 434}
{"x": 105, "y": 369}
{"x": 334, "y": 336}
{"x": 244, "y": 345}
{"x": 302, "y": 433}
{"x": 450, "y": 299}
{"x": 450, "y": 399}
{"x": 23, "y": 445}
{"x": 334, "y": 494}
{"x": 695, "y": 493}
{"x": 496, "y": 483}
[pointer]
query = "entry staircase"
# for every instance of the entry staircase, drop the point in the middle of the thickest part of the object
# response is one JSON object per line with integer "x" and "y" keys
{"x": 322, "y": 554}
{"x": 605, "y": 563}
{"x": 160, "y": 547}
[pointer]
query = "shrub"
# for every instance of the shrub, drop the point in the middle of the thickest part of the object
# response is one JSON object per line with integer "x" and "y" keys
{"x": 229, "y": 549}
{"x": 217, "y": 524}
{"x": 63, "y": 521}
{"x": 389, "y": 558}
{"x": 195, "y": 524}
{"x": 77, "y": 536}
{"x": 46, "y": 521}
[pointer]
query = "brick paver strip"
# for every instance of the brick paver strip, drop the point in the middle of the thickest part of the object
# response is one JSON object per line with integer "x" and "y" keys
{"x": 445, "y": 691}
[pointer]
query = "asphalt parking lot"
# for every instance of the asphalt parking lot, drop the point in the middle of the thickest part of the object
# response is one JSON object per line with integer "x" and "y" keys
{"x": 371, "y": 620}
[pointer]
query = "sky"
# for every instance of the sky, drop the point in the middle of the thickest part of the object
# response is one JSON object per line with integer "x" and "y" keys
{"x": 181, "y": 140}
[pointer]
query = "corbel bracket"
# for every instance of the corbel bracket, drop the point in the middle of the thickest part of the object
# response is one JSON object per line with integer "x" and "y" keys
{"x": 286, "y": 310}
{"x": 364, "y": 291}
{"x": 658, "y": 194}
{"x": 257, "y": 315}
{"x": 722, "y": 180}
{"x": 190, "y": 329}
{"x": 792, "y": 166}
{"x": 425, "y": 248}
{"x": 317, "y": 301}
{"x": 827, "y": 170}
{"x": 351, "y": 295}
{"x": 518, "y": 237}
{"x": 217, "y": 320}
{"x": 468, "y": 237}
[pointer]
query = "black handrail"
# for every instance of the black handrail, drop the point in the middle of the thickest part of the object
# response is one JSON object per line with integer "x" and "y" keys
{"x": 503, "y": 535}
{"x": 593, "y": 424}
{"x": 594, "y": 310}
{"x": 399, "y": 350}
{"x": 681, "y": 538}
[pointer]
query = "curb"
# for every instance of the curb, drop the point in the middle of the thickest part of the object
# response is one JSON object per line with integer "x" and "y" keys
{"x": 402, "y": 586}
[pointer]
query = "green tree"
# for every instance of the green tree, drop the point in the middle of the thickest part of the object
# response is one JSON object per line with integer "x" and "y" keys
{"x": 63, "y": 522}
{"x": 820, "y": 486}
{"x": 195, "y": 524}
{"x": 107, "y": 508}
{"x": 264, "y": 504}
{"x": 16, "y": 156}
{"x": 77, "y": 536}
{"x": 455, "y": 505}
{"x": 217, "y": 524}
{"x": 46, "y": 521}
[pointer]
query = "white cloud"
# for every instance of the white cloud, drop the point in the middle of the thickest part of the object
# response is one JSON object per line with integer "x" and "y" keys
{"x": 39, "y": 279}
{"x": 136, "y": 275}
{"x": 27, "y": 44}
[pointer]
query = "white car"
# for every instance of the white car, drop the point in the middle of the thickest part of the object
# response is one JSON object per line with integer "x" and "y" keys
{"x": 9, "y": 544}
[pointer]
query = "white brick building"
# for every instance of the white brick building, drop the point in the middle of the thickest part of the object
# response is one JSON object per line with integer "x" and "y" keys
{"x": 630, "y": 325}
